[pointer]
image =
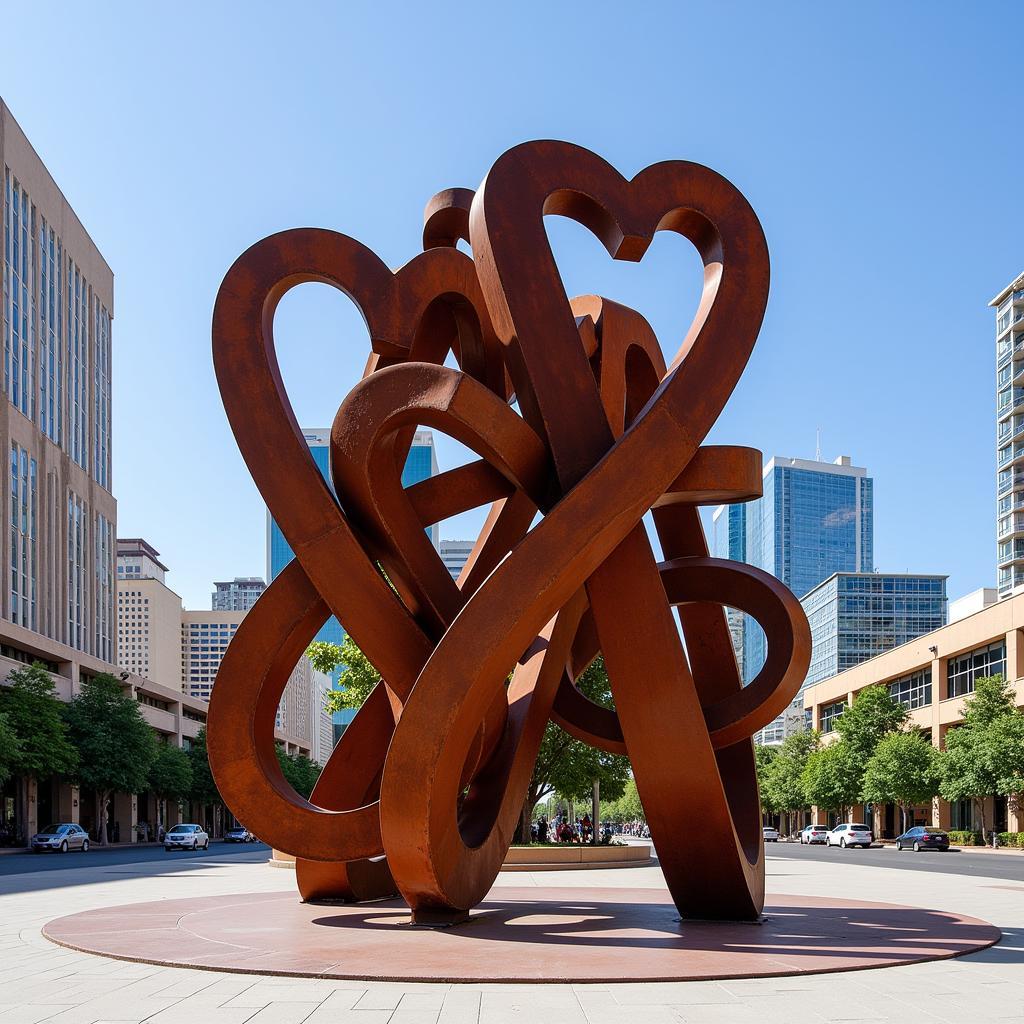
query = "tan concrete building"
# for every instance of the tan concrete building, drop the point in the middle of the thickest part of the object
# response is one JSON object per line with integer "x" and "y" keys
{"x": 932, "y": 676}
{"x": 57, "y": 549}
{"x": 148, "y": 616}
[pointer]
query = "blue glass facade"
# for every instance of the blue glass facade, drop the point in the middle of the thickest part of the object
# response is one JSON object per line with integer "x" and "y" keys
{"x": 420, "y": 464}
{"x": 855, "y": 616}
{"x": 814, "y": 519}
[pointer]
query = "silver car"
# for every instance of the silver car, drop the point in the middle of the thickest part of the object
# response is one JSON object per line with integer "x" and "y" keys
{"x": 186, "y": 837}
{"x": 60, "y": 838}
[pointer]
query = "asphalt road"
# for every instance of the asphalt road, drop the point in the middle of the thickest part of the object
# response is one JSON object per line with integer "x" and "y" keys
{"x": 129, "y": 857}
{"x": 962, "y": 862}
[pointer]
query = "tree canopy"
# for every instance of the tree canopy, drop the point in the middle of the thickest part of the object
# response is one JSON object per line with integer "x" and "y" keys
{"x": 904, "y": 770}
{"x": 170, "y": 774}
{"x": 831, "y": 778}
{"x": 35, "y": 715}
{"x": 981, "y": 756}
{"x": 115, "y": 744}
{"x": 358, "y": 676}
{"x": 783, "y": 786}
{"x": 872, "y": 715}
{"x": 204, "y": 789}
{"x": 299, "y": 771}
{"x": 10, "y": 749}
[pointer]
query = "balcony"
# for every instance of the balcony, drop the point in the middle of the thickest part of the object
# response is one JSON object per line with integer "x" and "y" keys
{"x": 1010, "y": 400}
{"x": 1011, "y": 456}
{"x": 1010, "y": 526}
{"x": 1012, "y": 481}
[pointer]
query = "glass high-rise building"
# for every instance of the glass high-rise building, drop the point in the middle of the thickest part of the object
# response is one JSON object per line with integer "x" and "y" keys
{"x": 729, "y": 540}
{"x": 420, "y": 464}
{"x": 1009, "y": 307}
{"x": 813, "y": 519}
{"x": 855, "y": 616}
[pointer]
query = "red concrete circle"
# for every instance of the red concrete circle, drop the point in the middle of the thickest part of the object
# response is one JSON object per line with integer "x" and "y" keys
{"x": 520, "y": 935}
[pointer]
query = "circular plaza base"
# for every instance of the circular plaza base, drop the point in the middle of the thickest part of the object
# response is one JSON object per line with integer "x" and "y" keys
{"x": 520, "y": 935}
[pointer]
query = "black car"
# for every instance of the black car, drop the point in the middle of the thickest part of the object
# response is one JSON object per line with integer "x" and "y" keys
{"x": 923, "y": 837}
{"x": 239, "y": 835}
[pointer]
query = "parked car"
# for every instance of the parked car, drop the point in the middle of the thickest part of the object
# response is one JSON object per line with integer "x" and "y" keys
{"x": 849, "y": 835}
{"x": 60, "y": 838}
{"x": 771, "y": 835}
{"x": 814, "y": 834}
{"x": 186, "y": 837}
{"x": 240, "y": 834}
{"x": 923, "y": 837}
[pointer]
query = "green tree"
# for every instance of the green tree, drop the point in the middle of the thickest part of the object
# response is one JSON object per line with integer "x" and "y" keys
{"x": 358, "y": 676}
{"x": 764, "y": 758}
{"x": 831, "y": 779}
{"x": 35, "y": 716}
{"x": 626, "y": 808}
{"x": 1007, "y": 758}
{"x": 904, "y": 770}
{"x": 115, "y": 744}
{"x": 568, "y": 766}
{"x": 784, "y": 776}
{"x": 10, "y": 749}
{"x": 299, "y": 771}
{"x": 872, "y": 715}
{"x": 203, "y": 789}
{"x": 970, "y": 764}
{"x": 170, "y": 776}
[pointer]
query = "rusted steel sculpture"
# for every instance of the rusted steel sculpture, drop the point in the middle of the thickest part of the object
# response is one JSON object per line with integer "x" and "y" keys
{"x": 422, "y": 794}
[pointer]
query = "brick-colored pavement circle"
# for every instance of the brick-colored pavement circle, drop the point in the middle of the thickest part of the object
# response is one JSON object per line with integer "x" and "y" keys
{"x": 521, "y": 934}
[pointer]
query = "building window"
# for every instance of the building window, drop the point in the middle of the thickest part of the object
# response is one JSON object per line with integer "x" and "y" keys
{"x": 78, "y": 526}
{"x": 963, "y": 670}
{"x": 104, "y": 573}
{"x": 78, "y": 361}
{"x": 913, "y": 691}
{"x": 829, "y": 714}
{"x": 24, "y": 515}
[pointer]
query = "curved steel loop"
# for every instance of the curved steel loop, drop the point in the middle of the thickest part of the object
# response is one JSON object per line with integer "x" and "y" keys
{"x": 593, "y": 535}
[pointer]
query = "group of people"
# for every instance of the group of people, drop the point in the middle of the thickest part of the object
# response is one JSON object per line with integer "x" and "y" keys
{"x": 562, "y": 830}
{"x": 636, "y": 828}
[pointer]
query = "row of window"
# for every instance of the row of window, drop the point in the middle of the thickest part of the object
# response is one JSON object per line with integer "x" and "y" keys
{"x": 56, "y": 337}
{"x": 915, "y": 690}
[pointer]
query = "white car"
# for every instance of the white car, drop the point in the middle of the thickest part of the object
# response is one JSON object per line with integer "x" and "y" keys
{"x": 771, "y": 835}
{"x": 186, "y": 837}
{"x": 849, "y": 835}
{"x": 814, "y": 834}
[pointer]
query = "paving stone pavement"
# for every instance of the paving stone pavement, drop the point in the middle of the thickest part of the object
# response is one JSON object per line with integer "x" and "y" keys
{"x": 43, "y": 982}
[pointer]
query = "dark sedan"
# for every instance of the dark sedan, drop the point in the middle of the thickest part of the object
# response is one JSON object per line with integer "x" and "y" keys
{"x": 923, "y": 837}
{"x": 239, "y": 835}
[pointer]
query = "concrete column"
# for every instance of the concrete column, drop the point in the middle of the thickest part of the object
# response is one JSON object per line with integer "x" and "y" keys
{"x": 67, "y": 801}
{"x": 31, "y": 807}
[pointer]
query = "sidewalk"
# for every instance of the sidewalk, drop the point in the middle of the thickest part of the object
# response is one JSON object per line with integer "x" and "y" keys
{"x": 43, "y": 982}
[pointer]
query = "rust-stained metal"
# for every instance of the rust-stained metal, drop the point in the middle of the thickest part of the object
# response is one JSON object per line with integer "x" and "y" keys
{"x": 580, "y": 429}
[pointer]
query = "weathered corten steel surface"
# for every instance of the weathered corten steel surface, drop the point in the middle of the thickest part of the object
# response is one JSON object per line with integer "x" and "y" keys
{"x": 581, "y": 429}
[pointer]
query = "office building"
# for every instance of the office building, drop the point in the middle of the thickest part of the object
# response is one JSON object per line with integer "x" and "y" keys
{"x": 1009, "y": 308}
{"x": 729, "y": 540}
{"x": 237, "y": 595}
{"x": 138, "y": 560}
{"x": 420, "y": 464}
{"x": 813, "y": 519}
{"x": 855, "y": 616}
{"x": 932, "y": 675}
{"x": 148, "y": 616}
{"x": 57, "y": 556}
{"x": 455, "y": 554}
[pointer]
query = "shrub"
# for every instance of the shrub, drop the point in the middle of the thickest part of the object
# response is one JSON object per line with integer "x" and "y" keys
{"x": 965, "y": 838}
{"x": 1014, "y": 839}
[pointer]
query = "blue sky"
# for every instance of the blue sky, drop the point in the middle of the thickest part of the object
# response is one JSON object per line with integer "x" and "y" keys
{"x": 879, "y": 145}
